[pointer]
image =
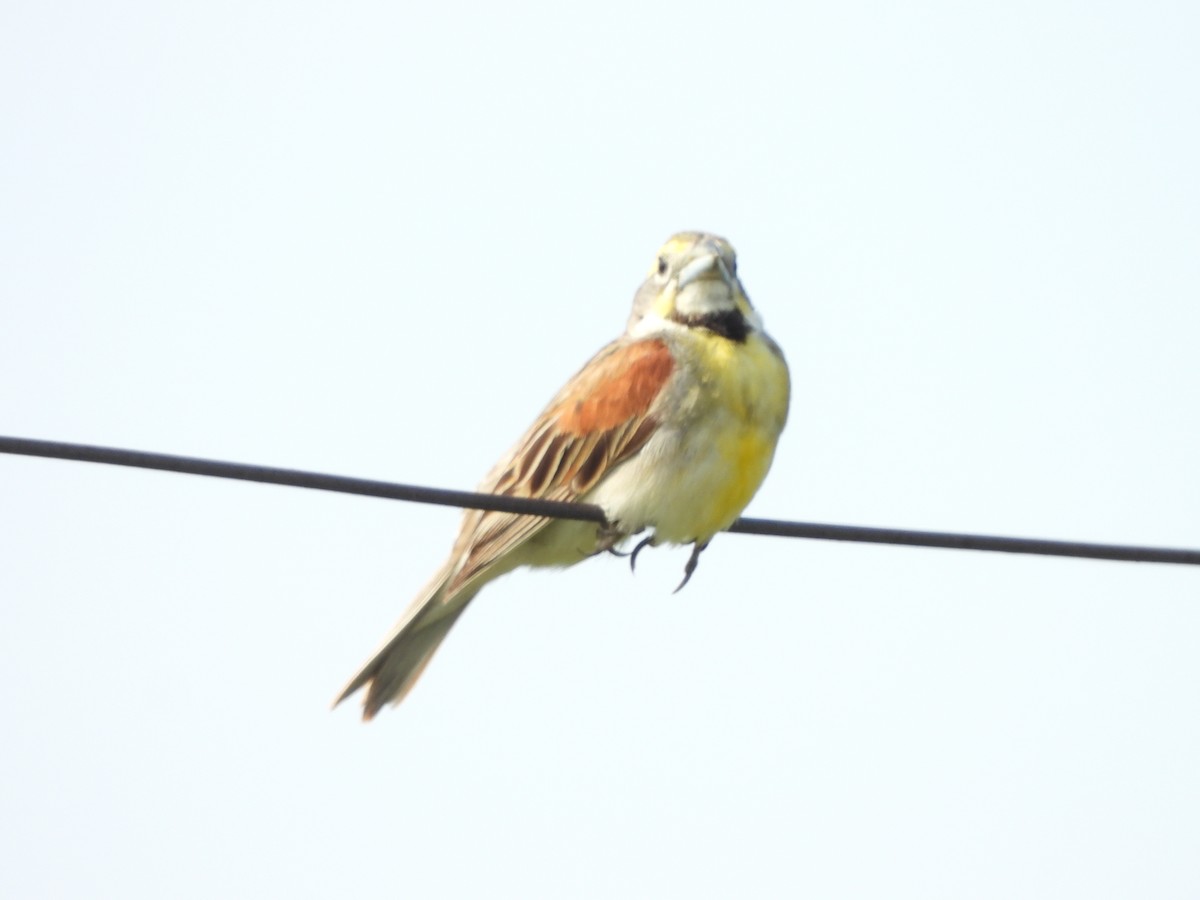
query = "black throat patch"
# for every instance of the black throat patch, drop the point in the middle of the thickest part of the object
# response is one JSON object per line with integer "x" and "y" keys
{"x": 730, "y": 324}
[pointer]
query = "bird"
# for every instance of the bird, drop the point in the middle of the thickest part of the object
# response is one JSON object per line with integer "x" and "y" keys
{"x": 669, "y": 429}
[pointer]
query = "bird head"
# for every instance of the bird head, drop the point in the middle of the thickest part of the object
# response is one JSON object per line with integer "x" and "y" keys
{"x": 693, "y": 283}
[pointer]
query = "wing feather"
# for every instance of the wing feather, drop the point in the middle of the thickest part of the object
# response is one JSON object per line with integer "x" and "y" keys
{"x": 603, "y": 415}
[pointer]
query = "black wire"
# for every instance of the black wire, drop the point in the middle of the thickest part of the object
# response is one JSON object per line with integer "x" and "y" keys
{"x": 389, "y": 490}
{"x": 955, "y": 541}
{"x": 341, "y": 484}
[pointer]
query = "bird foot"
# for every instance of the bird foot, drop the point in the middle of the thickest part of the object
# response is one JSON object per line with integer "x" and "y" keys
{"x": 608, "y": 536}
{"x": 690, "y": 567}
{"x": 644, "y": 542}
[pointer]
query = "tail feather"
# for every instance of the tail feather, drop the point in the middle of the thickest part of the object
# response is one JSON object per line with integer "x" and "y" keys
{"x": 390, "y": 674}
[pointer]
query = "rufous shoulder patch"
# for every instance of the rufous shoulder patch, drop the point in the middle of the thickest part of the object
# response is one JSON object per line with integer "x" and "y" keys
{"x": 616, "y": 388}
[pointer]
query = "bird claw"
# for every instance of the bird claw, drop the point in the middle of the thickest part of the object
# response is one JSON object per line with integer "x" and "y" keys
{"x": 690, "y": 566}
{"x": 644, "y": 542}
{"x": 609, "y": 536}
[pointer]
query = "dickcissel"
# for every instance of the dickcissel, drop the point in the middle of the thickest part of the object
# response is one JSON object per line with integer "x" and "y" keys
{"x": 671, "y": 428}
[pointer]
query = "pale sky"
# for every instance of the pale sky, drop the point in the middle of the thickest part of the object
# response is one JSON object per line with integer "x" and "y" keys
{"x": 374, "y": 239}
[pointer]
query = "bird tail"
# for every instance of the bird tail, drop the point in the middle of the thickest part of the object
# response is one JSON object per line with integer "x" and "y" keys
{"x": 395, "y": 667}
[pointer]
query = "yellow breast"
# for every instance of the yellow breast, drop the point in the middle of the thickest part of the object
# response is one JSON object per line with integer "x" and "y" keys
{"x": 747, "y": 390}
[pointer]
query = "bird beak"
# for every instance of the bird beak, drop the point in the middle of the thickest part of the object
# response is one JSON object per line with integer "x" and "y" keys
{"x": 701, "y": 266}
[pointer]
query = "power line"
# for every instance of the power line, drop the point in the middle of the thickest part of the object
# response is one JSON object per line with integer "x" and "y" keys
{"x": 391, "y": 491}
{"x": 341, "y": 484}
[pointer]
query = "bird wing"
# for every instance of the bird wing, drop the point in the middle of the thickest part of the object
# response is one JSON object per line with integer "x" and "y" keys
{"x": 603, "y": 416}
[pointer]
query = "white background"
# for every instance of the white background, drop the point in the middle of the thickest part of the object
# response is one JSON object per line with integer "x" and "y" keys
{"x": 373, "y": 239}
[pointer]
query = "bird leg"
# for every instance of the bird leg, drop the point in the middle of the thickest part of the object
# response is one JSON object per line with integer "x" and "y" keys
{"x": 608, "y": 536}
{"x": 690, "y": 567}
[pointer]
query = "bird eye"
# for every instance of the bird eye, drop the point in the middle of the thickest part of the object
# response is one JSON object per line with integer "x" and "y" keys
{"x": 662, "y": 265}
